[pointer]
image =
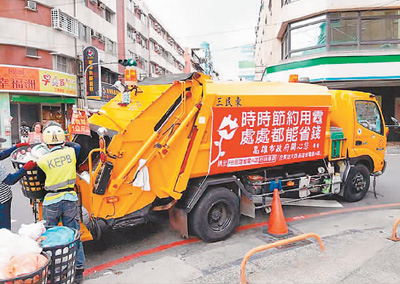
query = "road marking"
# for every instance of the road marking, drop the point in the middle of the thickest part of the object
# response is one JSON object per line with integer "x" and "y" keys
{"x": 127, "y": 258}
{"x": 138, "y": 254}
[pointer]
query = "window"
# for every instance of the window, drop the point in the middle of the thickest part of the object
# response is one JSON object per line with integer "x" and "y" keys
{"x": 380, "y": 29}
{"x": 344, "y": 31}
{"x": 84, "y": 33}
{"x": 365, "y": 30}
{"x": 32, "y": 52}
{"x": 111, "y": 47}
{"x": 368, "y": 116}
{"x": 107, "y": 76}
{"x": 108, "y": 15}
{"x": 130, "y": 5}
{"x": 61, "y": 63}
{"x": 131, "y": 33}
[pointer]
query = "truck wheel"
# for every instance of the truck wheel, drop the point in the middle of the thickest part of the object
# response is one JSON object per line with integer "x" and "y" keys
{"x": 357, "y": 183}
{"x": 216, "y": 215}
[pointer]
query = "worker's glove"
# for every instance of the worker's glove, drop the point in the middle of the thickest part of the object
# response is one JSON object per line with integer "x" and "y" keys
{"x": 30, "y": 166}
{"x": 21, "y": 145}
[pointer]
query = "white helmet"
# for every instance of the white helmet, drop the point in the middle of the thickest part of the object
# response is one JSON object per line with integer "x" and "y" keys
{"x": 53, "y": 135}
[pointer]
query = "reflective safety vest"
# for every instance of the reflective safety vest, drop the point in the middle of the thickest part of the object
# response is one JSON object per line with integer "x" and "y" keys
{"x": 60, "y": 169}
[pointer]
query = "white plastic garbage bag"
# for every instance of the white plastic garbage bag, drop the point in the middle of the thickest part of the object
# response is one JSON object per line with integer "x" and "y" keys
{"x": 142, "y": 178}
{"x": 33, "y": 230}
{"x": 16, "y": 246}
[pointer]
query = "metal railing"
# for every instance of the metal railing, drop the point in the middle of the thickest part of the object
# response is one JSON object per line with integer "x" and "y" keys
{"x": 243, "y": 279}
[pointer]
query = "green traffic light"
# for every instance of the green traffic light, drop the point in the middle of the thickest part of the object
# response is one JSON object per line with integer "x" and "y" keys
{"x": 127, "y": 62}
{"x": 132, "y": 62}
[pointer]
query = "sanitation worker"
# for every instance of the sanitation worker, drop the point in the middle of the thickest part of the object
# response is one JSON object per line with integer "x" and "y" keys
{"x": 58, "y": 171}
{"x": 8, "y": 179}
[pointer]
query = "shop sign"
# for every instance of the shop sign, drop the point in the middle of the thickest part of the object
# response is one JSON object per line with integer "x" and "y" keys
{"x": 80, "y": 123}
{"x": 91, "y": 56}
{"x": 19, "y": 79}
{"x": 252, "y": 137}
{"x": 23, "y": 79}
{"x": 56, "y": 82}
{"x": 108, "y": 92}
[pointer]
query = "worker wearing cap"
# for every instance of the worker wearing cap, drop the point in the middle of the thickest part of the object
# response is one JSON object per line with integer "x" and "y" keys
{"x": 8, "y": 179}
{"x": 58, "y": 171}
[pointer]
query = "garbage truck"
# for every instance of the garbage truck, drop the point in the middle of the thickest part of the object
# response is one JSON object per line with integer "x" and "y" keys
{"x": 207, "y": 151}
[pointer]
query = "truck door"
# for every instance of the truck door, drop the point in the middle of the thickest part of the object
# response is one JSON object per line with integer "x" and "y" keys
{"x": 369, "y": 132}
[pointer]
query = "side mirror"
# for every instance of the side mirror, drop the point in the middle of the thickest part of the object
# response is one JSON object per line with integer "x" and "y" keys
{"x": 396, "y": 122}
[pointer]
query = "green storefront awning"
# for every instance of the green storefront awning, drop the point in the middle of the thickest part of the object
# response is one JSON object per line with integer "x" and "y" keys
{"x": 41, "y": 99}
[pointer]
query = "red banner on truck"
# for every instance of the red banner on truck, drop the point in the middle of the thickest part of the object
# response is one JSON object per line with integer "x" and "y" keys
{"x": 249, "y": 137}
{"x": 80, "y": 123}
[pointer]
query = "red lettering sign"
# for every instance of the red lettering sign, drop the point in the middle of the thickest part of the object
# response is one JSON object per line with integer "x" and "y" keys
{"x": 19, "y": 79}
{"x": 80, "y": 123}
{"x": 252, "y": 137}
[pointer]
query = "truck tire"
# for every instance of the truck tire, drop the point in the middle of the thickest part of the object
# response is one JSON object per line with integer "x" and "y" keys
{"x": 357, "y": 183}
{"x": 216, "y": 215}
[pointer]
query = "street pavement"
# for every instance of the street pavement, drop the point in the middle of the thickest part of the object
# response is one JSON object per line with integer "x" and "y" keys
{"x": 357, "y": 250}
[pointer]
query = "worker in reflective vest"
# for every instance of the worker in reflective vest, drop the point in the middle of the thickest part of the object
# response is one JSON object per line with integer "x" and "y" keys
{"x": 58, "y": 171}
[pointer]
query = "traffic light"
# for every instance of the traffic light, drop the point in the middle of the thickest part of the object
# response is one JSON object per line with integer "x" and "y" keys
{"x": 127, "y": 62}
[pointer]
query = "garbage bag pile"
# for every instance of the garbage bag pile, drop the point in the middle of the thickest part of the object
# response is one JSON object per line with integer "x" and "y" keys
{"x": 21, "y": 254}
{"x": 30, "y": 154}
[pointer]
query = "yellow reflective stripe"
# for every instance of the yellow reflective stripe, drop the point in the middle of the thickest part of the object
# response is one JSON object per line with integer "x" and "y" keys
{"x": 60, "y": 185}
{"x": 48, "y": 198}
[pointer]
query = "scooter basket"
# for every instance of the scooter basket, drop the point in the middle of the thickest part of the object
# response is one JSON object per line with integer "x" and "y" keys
{"x": 63, "y": 259}
{"x": 31, "y": 187}
{"x": 37, "y": 277}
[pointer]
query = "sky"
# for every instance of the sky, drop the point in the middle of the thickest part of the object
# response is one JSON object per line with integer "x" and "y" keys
{"x": 224, "y": 24}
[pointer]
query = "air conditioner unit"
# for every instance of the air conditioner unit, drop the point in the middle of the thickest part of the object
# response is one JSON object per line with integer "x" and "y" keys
{"x": 93, "y": 1}
{"x": 101, "y": 5}
{"x": 31, "y": 5}
{"x": 101, "y": 38}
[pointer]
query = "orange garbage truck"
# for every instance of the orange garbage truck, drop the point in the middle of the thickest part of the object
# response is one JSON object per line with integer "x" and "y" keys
{"x": 206, "y": 151}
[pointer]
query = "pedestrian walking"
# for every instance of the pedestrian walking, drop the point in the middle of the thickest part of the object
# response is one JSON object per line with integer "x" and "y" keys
{"x": 24, "y": 132}
{"x": 58, "y": 171}
{"x": 8, "y": 179}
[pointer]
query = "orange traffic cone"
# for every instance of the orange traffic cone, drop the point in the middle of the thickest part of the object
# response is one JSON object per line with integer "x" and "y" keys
{"x": 277, "y": 223}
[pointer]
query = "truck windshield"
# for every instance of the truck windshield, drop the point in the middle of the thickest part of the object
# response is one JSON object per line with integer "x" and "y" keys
{"x": 368, "y": 116}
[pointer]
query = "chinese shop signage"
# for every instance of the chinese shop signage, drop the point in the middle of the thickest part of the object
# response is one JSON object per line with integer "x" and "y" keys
{"x": 80, "y": 123}
{"x": 253, "y": 137}
{"x": 91, "y": 64}
{"x": 23, "y": 79}
{"x": 108, "y": 92}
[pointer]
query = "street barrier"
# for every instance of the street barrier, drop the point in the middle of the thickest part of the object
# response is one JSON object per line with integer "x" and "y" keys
{"x": 272, "y": 245}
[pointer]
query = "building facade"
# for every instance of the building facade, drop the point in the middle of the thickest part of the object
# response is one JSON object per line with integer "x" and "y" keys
{"x": 47, "y": 49}
{"x": 246, "y": 63}
{"x": 143, "y": 38}
{"x": 340, "y": 44}
{"x": 199, "y": 59}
